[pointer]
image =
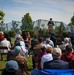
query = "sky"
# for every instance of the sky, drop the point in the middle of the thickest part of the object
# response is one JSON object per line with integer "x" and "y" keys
{"x": 59, "y": 10}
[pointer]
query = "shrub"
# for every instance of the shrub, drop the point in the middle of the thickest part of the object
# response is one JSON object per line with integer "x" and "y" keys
{"x": 12, "y": 33}
{"x": 44, "y": 31}
{"x": 65, "y": 34}
{"x": 32, "y": 32}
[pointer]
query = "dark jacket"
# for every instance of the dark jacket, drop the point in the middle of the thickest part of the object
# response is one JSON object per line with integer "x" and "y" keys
{"x": 56, "y": 64}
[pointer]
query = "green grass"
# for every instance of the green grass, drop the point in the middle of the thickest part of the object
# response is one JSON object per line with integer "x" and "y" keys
{"x": 12, "y": 40}
{"x": 29, "y": 60}
{"x": 2, "y": 66}
{"x": 3, "y": 63}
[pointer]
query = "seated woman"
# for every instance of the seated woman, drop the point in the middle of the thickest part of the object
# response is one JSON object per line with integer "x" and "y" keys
{"x": 22, "y": 44}
{"x": 47, "y": 56}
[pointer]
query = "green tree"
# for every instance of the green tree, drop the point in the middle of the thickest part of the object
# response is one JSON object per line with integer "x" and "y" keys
{"x": 72, "y": 21}
{"x": 26, "y": 22}
{"x": 60, "y": 29}
{"x": 2, "y": 14}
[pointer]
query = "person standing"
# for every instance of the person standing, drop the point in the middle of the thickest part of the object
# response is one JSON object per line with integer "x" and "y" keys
{"x": 50, "y": 25}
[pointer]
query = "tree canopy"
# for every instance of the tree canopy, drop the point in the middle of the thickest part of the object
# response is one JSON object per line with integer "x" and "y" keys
{"x": 2, "y": 14}
{"x": 26, "y": 22}
{"x": 72, "y": 21}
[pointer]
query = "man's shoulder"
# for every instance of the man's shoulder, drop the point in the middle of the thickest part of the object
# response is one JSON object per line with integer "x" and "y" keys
{"x": 63, "y": 62}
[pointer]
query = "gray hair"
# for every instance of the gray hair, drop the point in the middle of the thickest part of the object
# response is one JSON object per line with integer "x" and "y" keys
{"x": 56, "y": 52}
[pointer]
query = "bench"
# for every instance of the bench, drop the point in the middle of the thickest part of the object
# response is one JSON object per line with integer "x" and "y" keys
{"x": 3, "y": 51}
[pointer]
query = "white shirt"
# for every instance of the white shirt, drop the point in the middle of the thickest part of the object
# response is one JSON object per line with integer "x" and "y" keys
{"x": 45, "y": 58}
{"x": 50, "y": 43}
{"x": 23, "y": 45}
{"x": 6, "y": 43}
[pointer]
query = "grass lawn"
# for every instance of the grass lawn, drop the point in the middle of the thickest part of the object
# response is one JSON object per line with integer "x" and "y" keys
{"x": 3, "y": 63}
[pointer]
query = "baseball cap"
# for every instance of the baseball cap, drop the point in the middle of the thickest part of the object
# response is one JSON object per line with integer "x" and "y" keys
{"x": 11, "y": 66}
{"x": 17, "y": 49}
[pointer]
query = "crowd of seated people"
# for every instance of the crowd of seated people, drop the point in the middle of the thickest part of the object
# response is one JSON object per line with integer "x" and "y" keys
{"x": 15, "y": 53}
{"x": 51, "y": 53}
{"x": 58, "y": 56}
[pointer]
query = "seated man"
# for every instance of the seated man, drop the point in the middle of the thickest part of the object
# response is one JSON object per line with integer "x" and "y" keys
{"x": 5, "y": 44}
{"x": 56, "y": 63}
{"x": 69, "y": 56}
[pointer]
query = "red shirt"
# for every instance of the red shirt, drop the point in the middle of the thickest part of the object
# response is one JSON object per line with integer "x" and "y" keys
{"x": 67, "y": 56}
{"x": 29, "y": 39}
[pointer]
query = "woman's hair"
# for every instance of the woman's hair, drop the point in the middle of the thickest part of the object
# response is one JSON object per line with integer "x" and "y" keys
{"x": 49, "y": 49}
{"x": 20, "y": 38}
{"x": 28, "y": 33}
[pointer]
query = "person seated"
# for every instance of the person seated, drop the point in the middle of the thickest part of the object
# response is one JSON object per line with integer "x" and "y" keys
{"x": 47, "y": 56}
{"x": 65, "y": 43}
{"x": 7, "y": 37}
{"x": 72, "y": 39}
{"x": 1, "y": 35}
{"x": 11, "y": 68}
{"x": 53, "y": 38}
{"x": 56, "y": 63}
{"x": 68, "y": 56}
{"x": 38, "y": 57}
{"x": 18, "y": 34}
{"x": 49, "y": 42}
{"x": 4, "y": 43}
{"x": 20, "y": 41}
{"x": 59, "y": 41}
